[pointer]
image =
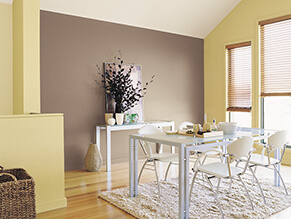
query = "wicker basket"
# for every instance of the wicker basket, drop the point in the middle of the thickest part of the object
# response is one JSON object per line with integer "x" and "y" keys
{"x": 17, "y": 194}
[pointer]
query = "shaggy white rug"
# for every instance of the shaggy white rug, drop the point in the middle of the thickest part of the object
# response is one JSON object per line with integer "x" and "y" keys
{"x": 148, "y": 204}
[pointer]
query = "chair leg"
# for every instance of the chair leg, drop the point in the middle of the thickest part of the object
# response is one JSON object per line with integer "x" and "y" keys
{"x": 157, "y": 176}
{"x": 142, "y": 169}
{"x": 229, "y": 188}
{"x": 237, "y": 163}
{"x": 195, "y": 162}
{"x": 168, "y": 168}
{"x": 230, "y": 181}
{"x": 203, "y": 161}
{"x": 218, "y": 184}
{"x": 192, "y": 184}
{"x": 215, "y": 195}
{"x": 221, "y": 158}
{"x": 254, "y": 174}
{"x": 275, "y": 167}
{"x": 202, "y": 175}
{"x": 246, "y": 191}
{"x": 254, "y": 177}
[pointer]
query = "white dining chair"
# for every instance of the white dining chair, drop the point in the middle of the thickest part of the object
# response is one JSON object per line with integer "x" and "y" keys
{"x": 238, "y": 149}
{"x": 276, "y": 141}
{"x": 153, "y": 157}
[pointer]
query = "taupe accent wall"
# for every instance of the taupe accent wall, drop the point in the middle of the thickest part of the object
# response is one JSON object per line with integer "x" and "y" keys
{"x": 70, "y": 48}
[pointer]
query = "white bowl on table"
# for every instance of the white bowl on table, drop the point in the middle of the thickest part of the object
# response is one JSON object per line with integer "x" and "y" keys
{"x": 228, "y": 128}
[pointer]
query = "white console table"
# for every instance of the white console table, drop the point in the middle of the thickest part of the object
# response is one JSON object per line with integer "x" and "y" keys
{"x": 110, "y": 128}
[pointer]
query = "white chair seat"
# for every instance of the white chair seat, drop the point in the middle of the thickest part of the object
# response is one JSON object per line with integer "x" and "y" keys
{"x": 219, "y": 169}
{"x": 261, "y": 160}
{"x": 166, "y": 157}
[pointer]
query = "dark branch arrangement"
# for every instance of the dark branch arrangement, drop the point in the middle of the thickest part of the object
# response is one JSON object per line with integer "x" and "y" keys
{"x": 117, "y": 81}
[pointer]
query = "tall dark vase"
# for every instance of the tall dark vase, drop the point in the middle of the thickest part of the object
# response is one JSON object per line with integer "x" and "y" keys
{"x": 118, "y": 107}
{"x": 118, "y": 104}
{"x": 119, "y": 116}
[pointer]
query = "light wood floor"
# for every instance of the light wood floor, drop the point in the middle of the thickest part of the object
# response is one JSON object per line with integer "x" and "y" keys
{"x": 82, "y": 189}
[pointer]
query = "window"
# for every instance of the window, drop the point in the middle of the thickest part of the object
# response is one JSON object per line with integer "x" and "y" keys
{"x": 275, "y": 63}
{"x": 244, "y": 119}
{"x": 275, "y": 45}
{"x": 239, "y": 67}
{"x": 277, "y": 114}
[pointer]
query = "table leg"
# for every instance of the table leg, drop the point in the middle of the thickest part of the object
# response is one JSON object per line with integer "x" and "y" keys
{"x": 108, "y": 148}
{"x": 135, "y": 154}
{"x": 182, "y": 182}
{"x": 172, "y": 129}
{"x": 224, "y": 151}
{"x": 186, "y": 181}
{"x": 276, "y": 175}
{"x": 131, "y": 168}
{"x": 109, "y": 181}
{"x": 159, "y": 148}
{"x": 98, "y": 137}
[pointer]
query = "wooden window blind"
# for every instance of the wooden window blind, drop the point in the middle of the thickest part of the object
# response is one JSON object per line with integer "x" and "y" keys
{"x": 275, "y": 43}
{"x": 239, "y": 65}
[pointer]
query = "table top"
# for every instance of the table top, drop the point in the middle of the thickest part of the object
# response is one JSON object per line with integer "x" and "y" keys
{"x": 149, "y": 122}
{"x": 177, "y": 140}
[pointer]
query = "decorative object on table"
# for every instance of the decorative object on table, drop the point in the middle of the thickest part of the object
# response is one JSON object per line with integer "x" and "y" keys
{"x": 206, "y": 126}
{"x": 171, "y": 132}
{"x": 228, "y": 128}
{"x": 134, "y": 118}
{"x": 111, "y": 121}
{"x": 214, "y": 126}
{"x": 202, "y": 204}
{"x": 93, "y": 159}
{"x": 200, "y": 134}
{"x": 122, "y": 83}
{"x": 119, "y": 118}
{"x": 196, "y": 128}
{"x": 17, "y": 194}
{"x": 127, "y": 118}
{"x": 108, "y": 116}
{"x": 190, "y": 126}
{"x": 131, "y": 118}
{"x": 209, "y": 134}
{"x": 186, "y": 132}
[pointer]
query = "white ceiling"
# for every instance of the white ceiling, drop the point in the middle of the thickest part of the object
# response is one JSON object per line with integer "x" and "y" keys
{"x": 6, "y": 1}
{"x": 195, "y": 18}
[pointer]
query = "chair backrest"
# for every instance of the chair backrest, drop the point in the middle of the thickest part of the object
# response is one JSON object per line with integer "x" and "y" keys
{"x": 146, "y": 146}
{"x": 241, "y": 147}
{"x": 184, "y": 125}
{"x": 278, "y": 140}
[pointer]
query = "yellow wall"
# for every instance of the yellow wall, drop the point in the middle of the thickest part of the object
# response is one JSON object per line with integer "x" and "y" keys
{"x": 6, "y": 100}
{"x": 239, "y": 26}
{"x": 36, "y": 143}
{"x": 26, "y": 85}
{"x": 33, "y": 142}
{"x": 17, "y": 57}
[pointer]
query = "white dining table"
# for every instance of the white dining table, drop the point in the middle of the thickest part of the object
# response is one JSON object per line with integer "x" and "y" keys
{"x": 124, "y": 127}
{"x": 185, "y": 144}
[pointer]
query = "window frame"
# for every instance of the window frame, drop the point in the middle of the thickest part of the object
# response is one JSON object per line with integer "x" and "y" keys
{"x": 261, "y": 38}
{"x": 262, "y": 96}
{"x": 228, "y": 47}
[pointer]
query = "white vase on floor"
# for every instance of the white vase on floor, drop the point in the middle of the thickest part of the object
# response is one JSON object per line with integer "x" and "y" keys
{"x": 93, "y": 159}
{"x": 119, "y": 118}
